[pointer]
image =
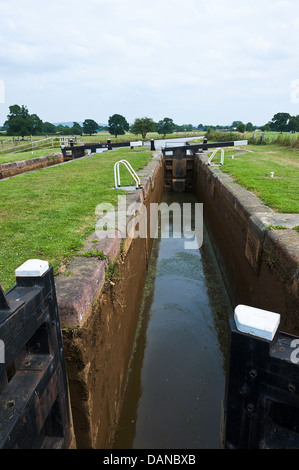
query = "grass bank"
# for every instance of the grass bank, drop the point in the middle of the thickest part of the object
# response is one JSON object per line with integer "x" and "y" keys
{"x": 48, "y": 214}
{"x": 252, "y": 170}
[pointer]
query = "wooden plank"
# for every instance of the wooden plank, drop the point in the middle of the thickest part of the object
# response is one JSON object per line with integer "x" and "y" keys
{"x": 19, "y": 328}
{"x": 19, "y": 410}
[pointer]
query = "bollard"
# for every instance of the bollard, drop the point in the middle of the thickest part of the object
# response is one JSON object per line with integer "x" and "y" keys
{"x": 261, "y": 406}
{"x": 152, "y": 145}
{"x": 205, "y": 141}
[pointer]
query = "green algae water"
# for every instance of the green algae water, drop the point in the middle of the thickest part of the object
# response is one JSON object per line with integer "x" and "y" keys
{"x": 177, "y": 378}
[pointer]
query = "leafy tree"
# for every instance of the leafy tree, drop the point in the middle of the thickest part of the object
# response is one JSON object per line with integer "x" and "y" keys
{"x": 266, "y": 127}
{"x": 166, "y": 126}
{"x": 188, "y": 127}
{"x": 90, "y": 126}
{"x": 183, "y": 128}
{"x": 49, "y": 128}
{"x": 293, "y": 124}
{"x": 241, "y": 127}
{"x": 63, "y": 130}
{"x": 117, "y": 125}
{"x": 76, "y": 129}
{"x": 249, "y": 127}
{"x": 280, "y": 122}
{"x": 37, "y": 124}
{"x": 235, "y": 124}
{"x": 143, "y": 126}
{"x": 178, "y": 128}
{"x": 20, "y": 122}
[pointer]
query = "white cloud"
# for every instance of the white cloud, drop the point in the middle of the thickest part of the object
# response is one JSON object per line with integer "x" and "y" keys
{"x": 68, "y": 59}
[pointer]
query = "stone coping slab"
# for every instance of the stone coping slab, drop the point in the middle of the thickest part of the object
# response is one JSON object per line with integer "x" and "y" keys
{"x": 23, "y": 166}
{"x": 278, "y": 220}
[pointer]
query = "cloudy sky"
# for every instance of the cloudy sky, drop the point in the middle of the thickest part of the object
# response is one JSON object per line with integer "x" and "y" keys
{"x": 195, "y": 61}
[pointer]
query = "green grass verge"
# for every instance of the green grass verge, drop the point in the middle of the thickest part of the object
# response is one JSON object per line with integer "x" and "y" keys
{"x": 252, "y": 171}
{"x": 48, "y": 214}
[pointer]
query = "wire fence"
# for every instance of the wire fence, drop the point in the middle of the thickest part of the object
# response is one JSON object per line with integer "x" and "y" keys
{"x": 15, "y": 145}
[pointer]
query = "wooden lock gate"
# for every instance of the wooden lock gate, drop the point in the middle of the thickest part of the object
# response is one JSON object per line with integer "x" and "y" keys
{"x": 179, "y": 163}
{"x": 261, "y": 407}
{"x": 34, "y": 399}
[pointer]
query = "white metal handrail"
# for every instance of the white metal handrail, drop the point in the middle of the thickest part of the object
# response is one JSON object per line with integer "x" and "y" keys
{"x": 213, "y": 155}
{"x": 129, "y": 168}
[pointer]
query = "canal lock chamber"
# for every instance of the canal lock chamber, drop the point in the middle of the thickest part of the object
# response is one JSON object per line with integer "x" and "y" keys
{"x": 181, "y": 312}
{"x": 175, "y": 393}
{"x": 176, "y": 382}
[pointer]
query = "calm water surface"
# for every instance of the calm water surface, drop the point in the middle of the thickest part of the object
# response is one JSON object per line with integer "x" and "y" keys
{"x": 177, "y": 378}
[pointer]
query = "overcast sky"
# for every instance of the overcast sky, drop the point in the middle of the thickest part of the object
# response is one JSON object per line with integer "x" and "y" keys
{"x": 209, "y": 62}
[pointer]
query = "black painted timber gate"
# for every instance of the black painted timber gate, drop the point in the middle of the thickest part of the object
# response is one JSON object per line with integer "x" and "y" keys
{"x": 34, "y": 400}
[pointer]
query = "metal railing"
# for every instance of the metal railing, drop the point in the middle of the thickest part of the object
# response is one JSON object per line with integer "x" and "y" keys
{"x": 130, "y": 170}
{"x": 213, "y": 155}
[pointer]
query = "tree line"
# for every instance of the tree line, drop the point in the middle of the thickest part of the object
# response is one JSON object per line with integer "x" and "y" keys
{"x": 235, "y": 126}
{"x": 20, "y": 122}
{"x": 281, "y": 122}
